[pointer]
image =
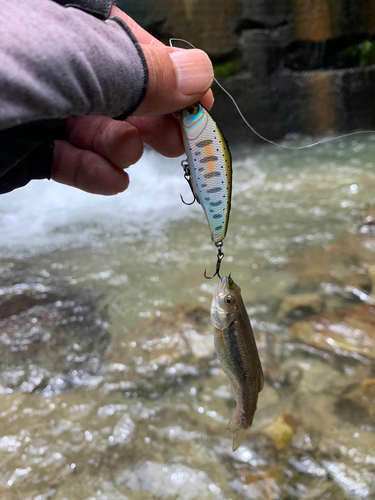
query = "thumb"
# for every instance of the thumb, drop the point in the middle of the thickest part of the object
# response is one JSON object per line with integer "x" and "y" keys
{"x": 177, "y": 79}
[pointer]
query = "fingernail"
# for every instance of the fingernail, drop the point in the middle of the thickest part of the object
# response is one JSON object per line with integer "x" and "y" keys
{"x": 194, "y": 71}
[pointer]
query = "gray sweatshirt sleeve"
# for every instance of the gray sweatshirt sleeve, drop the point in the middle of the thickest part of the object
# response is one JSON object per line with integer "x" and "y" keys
{"x": 98, "y": 8}
{"x": 57, "y": 61}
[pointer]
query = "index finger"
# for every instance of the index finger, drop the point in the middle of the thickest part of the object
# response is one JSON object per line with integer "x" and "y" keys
{"x": 140, "y": 34}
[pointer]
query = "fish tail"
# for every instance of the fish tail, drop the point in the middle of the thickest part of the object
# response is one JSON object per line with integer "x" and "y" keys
{"x": 238, "y": 433}
{"x": 238, "y": 436}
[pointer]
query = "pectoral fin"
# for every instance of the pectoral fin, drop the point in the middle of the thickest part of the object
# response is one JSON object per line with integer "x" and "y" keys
{"x": 220, "y": 339}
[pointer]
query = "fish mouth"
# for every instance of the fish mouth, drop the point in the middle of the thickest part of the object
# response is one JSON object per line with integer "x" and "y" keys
{"x": 224, "y": 282}
{"x": 221, "y": 287}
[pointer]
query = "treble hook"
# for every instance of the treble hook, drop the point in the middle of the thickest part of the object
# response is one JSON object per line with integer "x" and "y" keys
{"x": 187, "y": 176}
{"x": 184, "y": 202}
{"x": 220, "y": 256}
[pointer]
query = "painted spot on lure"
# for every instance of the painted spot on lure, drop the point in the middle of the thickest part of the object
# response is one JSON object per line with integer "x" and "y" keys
{"x": 210, "y": 167}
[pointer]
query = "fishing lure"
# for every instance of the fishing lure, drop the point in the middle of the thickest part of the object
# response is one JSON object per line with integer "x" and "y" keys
{"x": 208, "y": 171}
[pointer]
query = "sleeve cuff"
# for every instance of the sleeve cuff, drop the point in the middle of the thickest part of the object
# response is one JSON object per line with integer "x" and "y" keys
{"x": 38, "y": 165}
{"x": 98, "y": 8}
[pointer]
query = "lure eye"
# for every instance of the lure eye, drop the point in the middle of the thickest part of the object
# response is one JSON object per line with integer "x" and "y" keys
{"x": 193, "y": 110}
{"x": 229, "y": 300}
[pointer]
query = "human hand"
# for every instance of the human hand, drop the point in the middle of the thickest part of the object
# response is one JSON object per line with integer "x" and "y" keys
{"x": 98, "y": 148}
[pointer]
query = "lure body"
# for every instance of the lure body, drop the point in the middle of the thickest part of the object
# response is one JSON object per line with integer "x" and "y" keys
{"x": 210, "y": 167}
{"x": 238, "y": 354}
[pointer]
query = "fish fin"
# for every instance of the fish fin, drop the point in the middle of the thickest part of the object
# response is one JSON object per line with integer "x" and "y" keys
{"x": 261, "y": 379}
{"x": 238, "y": 433}
{"x": 220, "y": 339}
{"x": 238, "y": 436}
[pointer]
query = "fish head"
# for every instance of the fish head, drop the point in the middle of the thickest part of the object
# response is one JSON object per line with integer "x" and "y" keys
{"x": 225, "y": 300}
{"x": 193, "y": 120}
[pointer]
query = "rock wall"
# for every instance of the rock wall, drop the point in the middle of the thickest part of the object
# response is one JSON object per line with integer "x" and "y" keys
{"x": 292, "y": 68}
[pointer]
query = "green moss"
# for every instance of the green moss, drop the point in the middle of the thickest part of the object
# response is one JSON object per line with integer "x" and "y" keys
{"x": 225, "y": 69}
{"x": 367, "y": 53}
{"x": 360, "y": 54}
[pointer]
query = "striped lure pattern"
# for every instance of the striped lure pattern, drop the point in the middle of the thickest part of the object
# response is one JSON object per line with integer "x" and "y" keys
{"x": 210, "y": 167}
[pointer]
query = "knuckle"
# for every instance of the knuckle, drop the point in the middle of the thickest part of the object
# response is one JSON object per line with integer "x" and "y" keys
{"x": 100, "y": 135}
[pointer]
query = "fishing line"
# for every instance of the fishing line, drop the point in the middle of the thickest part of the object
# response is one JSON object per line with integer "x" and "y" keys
{"x": 322, "y": 141}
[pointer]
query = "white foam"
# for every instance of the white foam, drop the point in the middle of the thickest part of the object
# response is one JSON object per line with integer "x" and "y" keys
{"x": 46, "y": 215}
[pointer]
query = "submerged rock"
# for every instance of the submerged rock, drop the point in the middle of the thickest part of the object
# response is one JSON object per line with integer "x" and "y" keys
{"x": 367, "y": 223}
{"x": 360, "y": 402}
{"x": 165, "y": 348}
{"x": 353, "y": 479}
{"x": 345, "y": 263}
{"x": 168, "y": 480}
{"x": 300, "y": 305}
{"x": 348, "y": 332}
{"x": 172, "y": 334}
{"x": 49, "y": 341}
{"x": 318, "y": 377}
{"x": 371, "y": 273}
{"x": 260, "y": 483}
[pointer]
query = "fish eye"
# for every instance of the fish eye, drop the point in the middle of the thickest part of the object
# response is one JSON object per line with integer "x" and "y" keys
{"x": 193, "y": 110}
{"x": 229, "y": 300}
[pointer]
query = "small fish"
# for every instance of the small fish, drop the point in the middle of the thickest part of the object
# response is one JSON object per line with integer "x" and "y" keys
{"x": 209, "y": 167}
{"x": 238, "y": 354}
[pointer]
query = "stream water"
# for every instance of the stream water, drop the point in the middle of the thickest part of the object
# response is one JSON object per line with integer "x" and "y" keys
{"x": 109, "y": 385}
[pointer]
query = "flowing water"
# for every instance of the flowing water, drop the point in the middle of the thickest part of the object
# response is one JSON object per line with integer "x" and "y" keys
{"x": 109, "y": 385}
